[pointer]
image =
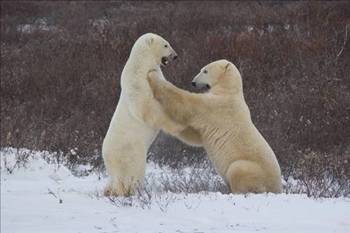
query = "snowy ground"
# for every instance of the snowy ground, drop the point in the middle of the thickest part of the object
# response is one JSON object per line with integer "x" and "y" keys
{"x": 41, "y": 197}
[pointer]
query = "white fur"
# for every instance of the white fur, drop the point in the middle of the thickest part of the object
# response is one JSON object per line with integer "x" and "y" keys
{"x": 137, "y": 119}
{"x": 222, "y": 119}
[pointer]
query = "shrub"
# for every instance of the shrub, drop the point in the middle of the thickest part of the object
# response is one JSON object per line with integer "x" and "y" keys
{"x": 61, "y": 63}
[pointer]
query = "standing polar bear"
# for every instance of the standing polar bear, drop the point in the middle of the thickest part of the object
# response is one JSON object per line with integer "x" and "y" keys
{"x": 138, "y": 117}
{"x": 221, "y": 116}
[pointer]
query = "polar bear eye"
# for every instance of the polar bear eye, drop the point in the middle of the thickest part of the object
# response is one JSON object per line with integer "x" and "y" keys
{"x": 205, "y": 71}
{"x": 166, "y": 46}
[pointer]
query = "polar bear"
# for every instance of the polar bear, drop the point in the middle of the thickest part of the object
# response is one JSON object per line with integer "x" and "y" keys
{"x": 138, "y": 117}
{"x": 221, "y": 116}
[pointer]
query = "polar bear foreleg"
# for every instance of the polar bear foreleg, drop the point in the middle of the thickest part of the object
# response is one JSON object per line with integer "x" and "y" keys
{"x": 178, "y": 104}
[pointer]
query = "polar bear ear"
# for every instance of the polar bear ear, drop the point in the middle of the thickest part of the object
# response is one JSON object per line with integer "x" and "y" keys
{"x": 227, "y": 66}
{"x": 149, "y": 40}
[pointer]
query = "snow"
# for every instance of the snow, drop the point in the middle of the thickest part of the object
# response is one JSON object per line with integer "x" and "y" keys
{"x": 37, "y": 196}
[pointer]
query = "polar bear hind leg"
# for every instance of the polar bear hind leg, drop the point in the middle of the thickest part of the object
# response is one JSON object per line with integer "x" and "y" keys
{"x": 125, "y": 173}
{"x": 245, "y": 176}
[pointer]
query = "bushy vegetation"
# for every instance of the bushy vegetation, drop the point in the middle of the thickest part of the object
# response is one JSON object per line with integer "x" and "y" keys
{"x": 61, "y": 63}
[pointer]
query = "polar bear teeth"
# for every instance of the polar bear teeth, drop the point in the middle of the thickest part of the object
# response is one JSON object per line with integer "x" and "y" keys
{"x": 165, "y": 61}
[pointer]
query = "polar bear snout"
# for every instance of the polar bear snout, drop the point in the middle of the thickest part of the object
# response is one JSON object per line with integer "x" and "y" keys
{"x": 201, "y": 82}
{"x": 173, "y": 54}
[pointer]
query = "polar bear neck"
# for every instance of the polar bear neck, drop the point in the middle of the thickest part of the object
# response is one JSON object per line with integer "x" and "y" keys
{"x": 141, "y": 58}
{"x": 134, "y": 74}
{"x": 232, "y": 86}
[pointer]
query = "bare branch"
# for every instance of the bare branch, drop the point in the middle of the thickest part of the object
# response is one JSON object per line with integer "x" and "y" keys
{"x": 345, "y": 41}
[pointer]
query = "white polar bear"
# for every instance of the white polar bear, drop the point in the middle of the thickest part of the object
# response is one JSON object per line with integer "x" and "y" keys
{"x": 238, "y": 151}
{"x": 138, "y": 117}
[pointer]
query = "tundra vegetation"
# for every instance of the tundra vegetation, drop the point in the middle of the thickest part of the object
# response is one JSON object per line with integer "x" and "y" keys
{"x": 61, "y": 63}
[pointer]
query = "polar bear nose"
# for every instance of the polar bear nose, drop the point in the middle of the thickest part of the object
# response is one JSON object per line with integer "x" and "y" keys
{"x": 193, "y": 84}
{"x": 173, "y": 55}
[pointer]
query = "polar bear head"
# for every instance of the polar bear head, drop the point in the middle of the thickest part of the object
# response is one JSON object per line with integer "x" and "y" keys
{"x": 220, "y": 74}
{"x": 155, "y": 48}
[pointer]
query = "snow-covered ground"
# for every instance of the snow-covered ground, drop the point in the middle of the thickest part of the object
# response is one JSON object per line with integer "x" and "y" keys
{"x": 44, "y": 197}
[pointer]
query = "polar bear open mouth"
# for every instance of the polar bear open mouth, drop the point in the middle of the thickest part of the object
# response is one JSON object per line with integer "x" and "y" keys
{"x": 201, "y": 86}
{"x": 205, "y": 88}
{"x": 165, "y": 61}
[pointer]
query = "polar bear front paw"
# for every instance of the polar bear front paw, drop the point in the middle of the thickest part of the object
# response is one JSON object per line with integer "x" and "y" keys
{"x": 152, "y": 74}
{"x": 152, "y": 70}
